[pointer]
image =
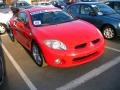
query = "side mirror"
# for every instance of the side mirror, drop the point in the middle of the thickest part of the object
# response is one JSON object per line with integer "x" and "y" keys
{"x": 92, "y": 14}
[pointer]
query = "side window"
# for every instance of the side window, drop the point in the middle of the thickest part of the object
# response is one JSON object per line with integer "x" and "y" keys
{"x": 111, "y": 4}
{"x": 22, "y": 17}
{"x": 74, "y": 10}
{"x": 85, "y": 9}
{"x": 116, "y": 5}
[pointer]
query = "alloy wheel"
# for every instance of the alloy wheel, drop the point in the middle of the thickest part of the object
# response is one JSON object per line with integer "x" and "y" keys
{"x": 2, "y": 28}
{"x": 37, "y": 55}
{"x": 108, "y": 32}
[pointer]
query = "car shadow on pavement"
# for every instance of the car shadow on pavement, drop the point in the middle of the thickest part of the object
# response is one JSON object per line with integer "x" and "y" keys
{"x": 2, "y": 63}
{"x": 115, "y": 40}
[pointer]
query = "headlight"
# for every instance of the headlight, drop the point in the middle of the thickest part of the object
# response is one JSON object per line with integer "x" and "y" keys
{"x": 55, "y": 44}
{"x": 119, "y": 24}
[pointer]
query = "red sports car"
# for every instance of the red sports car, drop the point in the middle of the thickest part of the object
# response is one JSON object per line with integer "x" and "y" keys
{"x": 55, "y": 38}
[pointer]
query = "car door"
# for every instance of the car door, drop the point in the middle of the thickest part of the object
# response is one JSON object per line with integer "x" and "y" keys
{"x": 73, "y": 10}
{"x": 88, "y": 14}
{"x": 85, "y": 12}
{"x": 23, "y": 28}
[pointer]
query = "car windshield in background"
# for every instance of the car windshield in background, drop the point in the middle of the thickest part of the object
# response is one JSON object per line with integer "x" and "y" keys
{"x": 48, "y": 18}
{"x": 3, "y": 6}
{"x": 22, "y": 4}
{"x": 104, "y": 9}
{"x": 44, "y": 3}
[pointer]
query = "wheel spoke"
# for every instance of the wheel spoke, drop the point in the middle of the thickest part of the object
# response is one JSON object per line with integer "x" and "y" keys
{"x": 108, "y": 33}
{"x": 2, "y": 29}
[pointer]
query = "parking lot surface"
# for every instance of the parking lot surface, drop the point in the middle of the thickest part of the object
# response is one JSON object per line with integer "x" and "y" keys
{"x": 23, "y": 74}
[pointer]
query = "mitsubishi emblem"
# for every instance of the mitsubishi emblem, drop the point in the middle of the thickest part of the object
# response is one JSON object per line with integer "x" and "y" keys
{"x": 91, "y": 44}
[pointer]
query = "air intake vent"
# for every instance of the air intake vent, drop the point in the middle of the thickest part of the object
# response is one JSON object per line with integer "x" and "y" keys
{"x": 84, "y": 57}
{"x": 95, "y": 41}
{"x": 81, "y": 46}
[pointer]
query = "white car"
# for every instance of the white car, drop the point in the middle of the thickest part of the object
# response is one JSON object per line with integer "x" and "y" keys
{"x": 4, "y": 18}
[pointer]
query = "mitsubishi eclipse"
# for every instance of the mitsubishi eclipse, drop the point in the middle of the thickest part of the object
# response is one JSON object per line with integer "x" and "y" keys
{"x": 55, "y": 38}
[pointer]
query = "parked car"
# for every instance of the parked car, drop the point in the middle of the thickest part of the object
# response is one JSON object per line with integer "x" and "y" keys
{"x": 3, "y": 5}
{"x": 58, "y": 3}
{"x": 99, "y": 14}
{"x": 43, "y": 4}
{"x": 4, "y": 18}
{"x": 115, "y": 4}
{"x": 55, "y": 38}
{"x": 2, "y": 64}
{"x": 21, "y": 4}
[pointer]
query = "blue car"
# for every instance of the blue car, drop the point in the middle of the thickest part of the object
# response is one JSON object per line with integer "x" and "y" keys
{"x": 99, "y": 14}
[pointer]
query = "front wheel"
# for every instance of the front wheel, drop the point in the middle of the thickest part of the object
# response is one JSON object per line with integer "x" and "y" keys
{"x": 108, "y": 32}
{"x": 38, "y": 56}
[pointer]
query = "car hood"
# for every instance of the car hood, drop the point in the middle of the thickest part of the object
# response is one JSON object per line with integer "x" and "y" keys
{"x": 71, "y": 33}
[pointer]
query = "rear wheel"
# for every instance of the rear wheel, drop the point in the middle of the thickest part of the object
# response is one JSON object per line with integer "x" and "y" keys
{"x": 11, "y": 35}
{"x": 108, "y": 32}
{"x": 2, "y": 28}
{"x": 38, "y": 56}
{"x": 2, "y": 71}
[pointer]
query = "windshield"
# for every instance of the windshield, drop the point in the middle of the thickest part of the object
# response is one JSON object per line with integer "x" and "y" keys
{"x": 19, "y": 4}
{"x": 51, "y": 17}
{"x": 103, "y": 8}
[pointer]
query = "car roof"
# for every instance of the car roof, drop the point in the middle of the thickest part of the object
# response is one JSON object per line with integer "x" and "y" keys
{"x": 113, "y": 1}
{"x": 88, "y": 3}
{"x": 32, "y": 9}
{"x": 21, "y": 2}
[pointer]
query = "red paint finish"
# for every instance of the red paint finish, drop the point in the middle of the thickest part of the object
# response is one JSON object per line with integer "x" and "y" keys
{"x": 84, "y": 41}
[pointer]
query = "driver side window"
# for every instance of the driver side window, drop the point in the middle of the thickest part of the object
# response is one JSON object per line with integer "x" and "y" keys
{"x": 85, "y": 9}
{"x": 74, "y": 10}
{"x": 22, "y": 17}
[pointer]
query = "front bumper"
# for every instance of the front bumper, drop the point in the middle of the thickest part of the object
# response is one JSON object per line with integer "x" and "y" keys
{"x": 72, "y": 58}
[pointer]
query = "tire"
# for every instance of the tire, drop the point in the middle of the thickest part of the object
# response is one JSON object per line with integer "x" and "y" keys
{"x": 108, "y": 32}
{"x": 11, "y": 35}
{"x": 2, "y": 74}
{"x": 2, "y": 28}
{"x": 38, "y": 56}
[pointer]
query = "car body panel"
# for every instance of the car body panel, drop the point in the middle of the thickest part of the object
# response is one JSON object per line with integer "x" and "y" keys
{"x": 72, "y": 34}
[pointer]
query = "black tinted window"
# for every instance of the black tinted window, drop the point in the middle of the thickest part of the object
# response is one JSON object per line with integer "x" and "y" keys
{"x": 52, "y": 17}
{"x": 117, "y": 5}
{"x": 103, "y": 8}
{"x": 85, "y": 9}
{"x": 22, "y": 17}
{"x": 74, "y": 10}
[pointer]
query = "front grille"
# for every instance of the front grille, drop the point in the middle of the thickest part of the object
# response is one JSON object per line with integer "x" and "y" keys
{"x": 80, "y": 58}
{"x": 95, "y": 41}
{"x": 81, "y": 46}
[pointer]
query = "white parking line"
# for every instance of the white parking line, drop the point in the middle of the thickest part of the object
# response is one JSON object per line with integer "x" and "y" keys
{"x": 19, "y": 70}
{"x": 91, "y": 74}
{"x": 114, "y": 49}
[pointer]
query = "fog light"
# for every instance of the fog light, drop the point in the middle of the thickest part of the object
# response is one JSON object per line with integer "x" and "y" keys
{"x": 58, "y": 61}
